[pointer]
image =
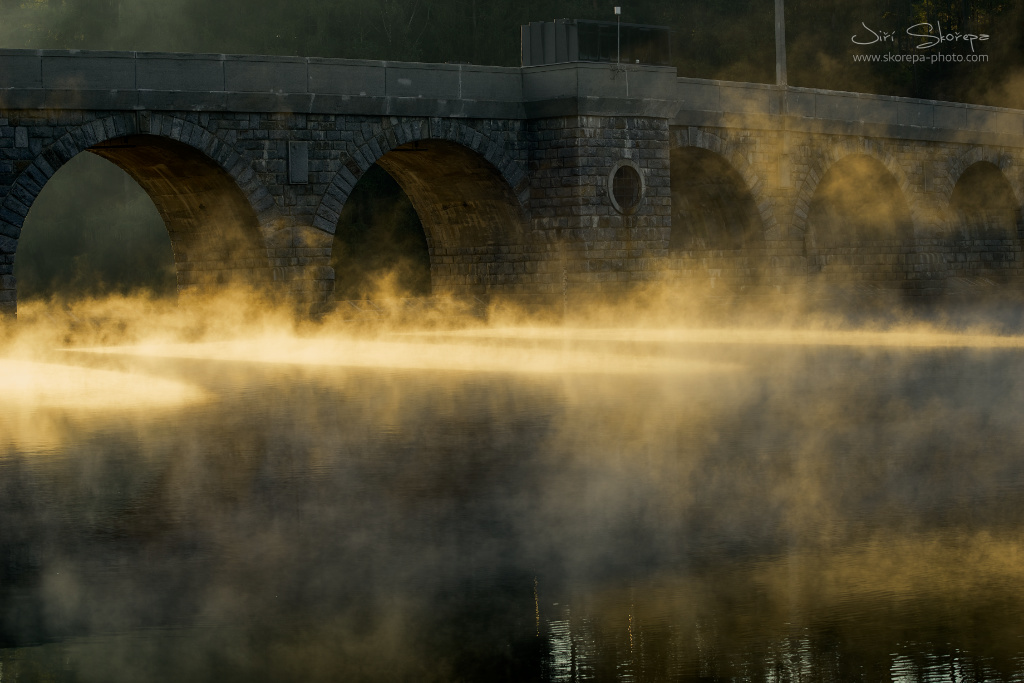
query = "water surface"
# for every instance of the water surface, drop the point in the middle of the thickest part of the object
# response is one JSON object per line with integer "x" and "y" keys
{"x": 606, "y": 507}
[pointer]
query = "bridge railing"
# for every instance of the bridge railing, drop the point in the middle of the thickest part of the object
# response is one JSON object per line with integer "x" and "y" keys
{"x": 147, "y": 80}
{"x": 700, "y": 98}
{"x": 53, "y": 79}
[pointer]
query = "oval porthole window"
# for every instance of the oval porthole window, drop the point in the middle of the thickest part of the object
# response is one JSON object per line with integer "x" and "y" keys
{"x": 627, "y": 187}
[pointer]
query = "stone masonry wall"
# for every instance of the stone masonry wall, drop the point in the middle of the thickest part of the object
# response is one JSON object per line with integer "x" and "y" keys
{"x": 782, "y": 170}
{"x": 252, "y": 149}
{"x": 554, "y": 171}
{"x": 579, "y": 237}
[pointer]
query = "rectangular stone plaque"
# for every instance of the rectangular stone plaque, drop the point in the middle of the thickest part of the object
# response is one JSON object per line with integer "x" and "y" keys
{"x": 298, "y": 163}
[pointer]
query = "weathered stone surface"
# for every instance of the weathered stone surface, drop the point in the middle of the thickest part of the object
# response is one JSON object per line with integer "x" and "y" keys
{"x": 509, "y": 169}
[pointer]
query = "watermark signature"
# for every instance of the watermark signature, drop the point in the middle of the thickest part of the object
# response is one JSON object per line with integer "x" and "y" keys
{"x": 937, "y": 58}
{"x": 930, "y": 36}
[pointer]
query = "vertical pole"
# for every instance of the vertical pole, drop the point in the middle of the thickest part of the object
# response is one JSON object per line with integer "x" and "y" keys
{"x": 618, "y": 35}
{"x": 565, "y": 278}
{"x": 780, "y": 43}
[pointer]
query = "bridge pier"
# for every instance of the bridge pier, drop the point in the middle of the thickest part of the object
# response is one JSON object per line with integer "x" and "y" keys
{"x": 578, "y": 165}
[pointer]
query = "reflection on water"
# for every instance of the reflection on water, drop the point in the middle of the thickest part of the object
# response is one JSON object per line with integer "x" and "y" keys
{"x": 30, "y": 385}
{"x": 37, "y": 399}
{"x": 502, "y": 356}
{"x": 768, "y": 512}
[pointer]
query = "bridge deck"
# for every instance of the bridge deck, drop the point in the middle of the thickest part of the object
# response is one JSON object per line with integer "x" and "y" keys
{"x": 56, "y": 79}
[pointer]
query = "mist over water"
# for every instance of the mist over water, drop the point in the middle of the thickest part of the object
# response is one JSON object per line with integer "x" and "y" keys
{"x": 676, "y": 487}
{"x": 659, "y": 499}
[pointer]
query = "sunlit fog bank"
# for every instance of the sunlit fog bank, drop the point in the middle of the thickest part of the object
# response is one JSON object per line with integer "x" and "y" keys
{"x": 748, "y": 411}
{"x": 657, "y": 483}
{"x": 660, "y": 489}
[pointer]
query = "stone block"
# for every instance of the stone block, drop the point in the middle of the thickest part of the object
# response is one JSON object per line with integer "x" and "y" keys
{"x": 698, "y": 95}
{"x": 417, "y": 81}
{"x": 490, "y": 83}
{"x": 357, "y": 78}
{"x": 179, "y": 72}
{"x": 82, "y": 98}
{"x": 20, "y": 70}
{"x": 256, "y": 101}
{"x": 848, "y": 107}
{"x": 951, "y": 116}
{"x": 916, "y": 114}
{"x": 745, "y": 98}
{"x": 278, "y": 75}
{"x": 991, "y": 120}
{"x": 92, "y": 71}
{"x": 161, "y": 100}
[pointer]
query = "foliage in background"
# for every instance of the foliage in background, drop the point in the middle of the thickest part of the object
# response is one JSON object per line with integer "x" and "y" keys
{"x": 93, "y": 230}
{"x": 820, "y": 50}
{"x": 728, "y": 39}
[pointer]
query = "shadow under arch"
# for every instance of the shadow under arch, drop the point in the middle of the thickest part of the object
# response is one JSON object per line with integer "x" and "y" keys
{"x": 204, "y": 190}
{"x": 467, "y": 206}
{"x": 719, "y": 229}
{"x": 858, "y": 200}
{"x": 380, "y": 247}
{"x": 214, "y": 231}
{"x": 859, "y": 225}
{"x": 983, "y": 205}
{"x": 462, "y": 200}
{"x": 712, "y": 207}
{"x": 734, "y": 157}
{"x": 985, "y": 219}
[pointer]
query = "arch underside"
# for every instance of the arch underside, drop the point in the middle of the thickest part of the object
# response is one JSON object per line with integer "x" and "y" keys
{"x": 859, "y": 224}
{"x": 713, "y": 206}
{"x": 985, "y": 219}
{"x": 858, "y": 201}
{"x": 213, "y": 229}
{"x": 717, "y": 229}
{"x": 467, "y": 209}
{"x": 982, "y": 204}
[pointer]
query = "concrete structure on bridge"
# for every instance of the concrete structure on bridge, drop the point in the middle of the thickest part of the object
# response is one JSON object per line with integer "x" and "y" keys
{"x": 594, "y": 174}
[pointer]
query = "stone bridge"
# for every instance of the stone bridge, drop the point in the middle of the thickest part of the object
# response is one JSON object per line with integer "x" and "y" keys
{"x": 582, "y": 175}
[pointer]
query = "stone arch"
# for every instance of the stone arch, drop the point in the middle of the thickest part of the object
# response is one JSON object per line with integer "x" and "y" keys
{"x": 957, "y": 166}
{"x": 469, "y": 193}
{"x": 395, "y": 134}
{"x": 983, "y": 204}
{"x": 202, "y": 163}
{"x": 833, "y": 155}
{"x": 983, "y": 213}
{"x": 712, "y": 209}
{"x": 755, "y": 184}
{"x": 858, "y": 225}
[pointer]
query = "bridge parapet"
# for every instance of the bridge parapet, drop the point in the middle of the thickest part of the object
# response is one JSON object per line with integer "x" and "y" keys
{"x": 42, "y": 79}
{"x": 93, "y": 80}
{"x": 728, "y": 103}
